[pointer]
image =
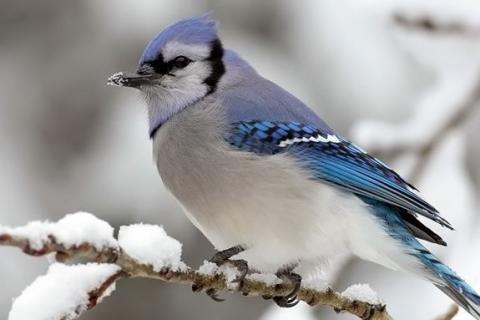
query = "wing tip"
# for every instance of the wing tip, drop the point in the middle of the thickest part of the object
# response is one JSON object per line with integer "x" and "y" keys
{"x": 444, "y": 222}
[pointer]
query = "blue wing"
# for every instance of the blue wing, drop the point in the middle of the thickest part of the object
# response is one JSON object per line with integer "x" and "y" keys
{"x": 332, "y": 159}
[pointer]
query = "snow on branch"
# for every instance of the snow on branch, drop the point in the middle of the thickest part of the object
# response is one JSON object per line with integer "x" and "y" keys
{"x": 424, "y": 132}
{"x": 81, "y": 234}
{"x": 76, "y": 289}
{"x": 141, "y": 251}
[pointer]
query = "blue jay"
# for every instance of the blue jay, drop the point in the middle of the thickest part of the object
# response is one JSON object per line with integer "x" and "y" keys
{"x": 265, "y": 179}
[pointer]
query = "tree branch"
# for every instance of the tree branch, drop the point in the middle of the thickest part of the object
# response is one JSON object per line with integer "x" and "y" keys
{"x": 131, "y": 268}
{"x": 424, "y": 151}
{"x": 433, "y": 25}
{"x": 450, "y": 314}
{"x": 468, "y": 106}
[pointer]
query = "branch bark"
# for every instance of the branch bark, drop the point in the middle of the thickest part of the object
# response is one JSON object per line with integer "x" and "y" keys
{"x": 450, "y": 314}
{"x": 131, "y": 268}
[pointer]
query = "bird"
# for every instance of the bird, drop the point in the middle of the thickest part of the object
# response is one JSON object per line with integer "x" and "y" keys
{"x": 268, "y": 182}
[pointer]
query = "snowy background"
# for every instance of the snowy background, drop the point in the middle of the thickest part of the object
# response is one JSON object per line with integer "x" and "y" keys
{"x": 388, "y": 76}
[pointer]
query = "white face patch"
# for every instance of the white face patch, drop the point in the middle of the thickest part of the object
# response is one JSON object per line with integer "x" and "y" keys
{"x": 189, "y": 80}
{"x": 174, "y": 49}
{"x": 174, "y": 92}
{"x": 318, "y": 138}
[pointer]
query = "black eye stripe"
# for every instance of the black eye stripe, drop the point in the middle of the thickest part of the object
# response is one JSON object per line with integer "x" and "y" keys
{"x": 145, "y": 69}
{"x": 158, "y": 64}
{"x": 162, "y": 67}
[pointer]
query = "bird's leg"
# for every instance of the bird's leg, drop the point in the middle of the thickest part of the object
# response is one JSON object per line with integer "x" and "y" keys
{"x": 222, "y": 257}
{"x": 290, "y": 299}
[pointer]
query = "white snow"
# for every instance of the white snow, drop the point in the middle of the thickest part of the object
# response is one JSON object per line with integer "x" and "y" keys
{"x": 73, "y": 230}
{"x": 150, "y": 244}
{"x": 317, "y": 284}
{"x": 208, "y": 268}
{"x": 116, "y": 79}
{"x": 361, "y": 292}
{"x": 62, "y": 293}
{"x": 453, "y": 60}
{"x": 432, "y": 111}
{"x": 268, "y": 278}
{"x": 229, "y": 272}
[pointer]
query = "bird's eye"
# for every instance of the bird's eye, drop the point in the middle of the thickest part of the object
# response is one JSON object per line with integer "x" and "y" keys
{"x": 181, "y": 62}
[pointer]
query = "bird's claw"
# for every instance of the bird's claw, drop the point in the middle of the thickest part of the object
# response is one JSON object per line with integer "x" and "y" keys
{"x": 196, "y": 287}
{"x": 289, "y": 300}
{"x": 242, "y": 267}
{"x": 286, "y": 302}
{"x": 220, "y": 258}
{"x": 223, "y": 257}
{"x": 212, "y": 293}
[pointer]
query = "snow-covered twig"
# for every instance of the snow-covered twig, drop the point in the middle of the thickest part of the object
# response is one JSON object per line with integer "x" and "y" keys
{"x": 422, "y": 149}
{"x": 79, "y": 236}
{"x": 144, "y": 251}
{"x": 464, "y": 112}
{"x": 66, "y": 291}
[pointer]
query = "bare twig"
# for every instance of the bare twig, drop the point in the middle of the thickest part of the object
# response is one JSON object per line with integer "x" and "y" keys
{"x": 435, "y": 26}
{"x": 131, "y": 268}
{"x": 450, "y": 314}
{"x": 95, "y": 295}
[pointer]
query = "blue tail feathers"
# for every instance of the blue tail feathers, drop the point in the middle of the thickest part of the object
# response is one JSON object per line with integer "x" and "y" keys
{"x": 450, "y": 283}
{"x": 435, "y": 271}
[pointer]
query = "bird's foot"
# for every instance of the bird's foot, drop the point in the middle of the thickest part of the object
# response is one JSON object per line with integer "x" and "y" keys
{"x": 223, "y": 257}
{"x": 212, "y": 293}
{"x": 289, "y": 300}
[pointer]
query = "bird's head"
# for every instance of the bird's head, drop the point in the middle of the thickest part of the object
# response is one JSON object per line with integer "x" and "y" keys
{"x": 179, "y": 66}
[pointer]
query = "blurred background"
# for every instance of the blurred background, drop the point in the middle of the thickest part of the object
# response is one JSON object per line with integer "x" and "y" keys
{"x": 401, "y": 78}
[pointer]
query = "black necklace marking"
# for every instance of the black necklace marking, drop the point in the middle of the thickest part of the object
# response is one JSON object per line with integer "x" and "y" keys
{"x": 218, "y": 68}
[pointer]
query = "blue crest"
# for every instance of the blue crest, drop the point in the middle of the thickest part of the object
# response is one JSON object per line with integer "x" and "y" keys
{"x": 194, "y": 30}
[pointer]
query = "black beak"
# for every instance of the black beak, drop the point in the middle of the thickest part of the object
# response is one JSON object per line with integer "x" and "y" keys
{"x": 133, "y": 80}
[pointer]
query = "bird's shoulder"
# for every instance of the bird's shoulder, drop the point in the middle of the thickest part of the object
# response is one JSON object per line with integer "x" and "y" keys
{"x": 255, "y": 97}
